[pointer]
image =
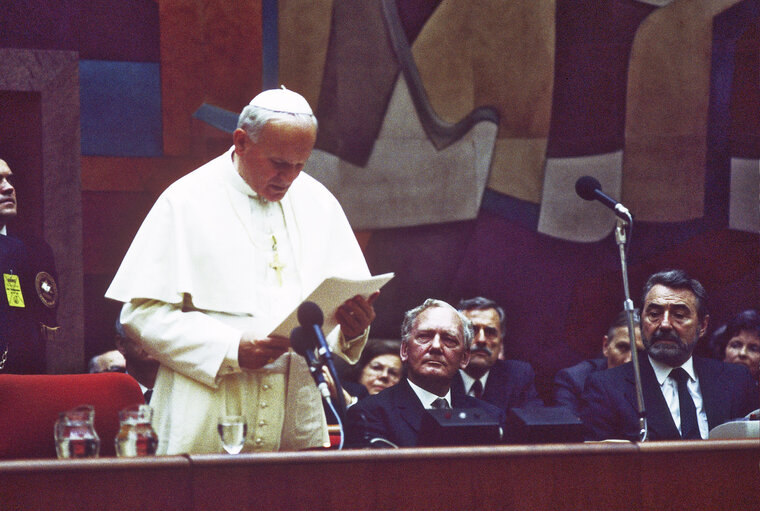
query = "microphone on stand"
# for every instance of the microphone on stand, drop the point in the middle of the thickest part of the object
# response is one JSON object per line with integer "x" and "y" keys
{"x": 589, "y": 188}
{"x": 310, "y": 318}
{"x": 302, "y": 344}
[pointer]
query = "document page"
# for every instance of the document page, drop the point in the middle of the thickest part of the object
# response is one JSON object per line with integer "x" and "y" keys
{"x": 331, "y": 294}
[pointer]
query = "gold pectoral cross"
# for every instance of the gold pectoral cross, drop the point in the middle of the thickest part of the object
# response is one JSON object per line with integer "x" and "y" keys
{"x": 276, "y": 264}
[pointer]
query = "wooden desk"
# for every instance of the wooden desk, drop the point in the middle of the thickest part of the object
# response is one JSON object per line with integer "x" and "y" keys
{"x": 659, "y": 475}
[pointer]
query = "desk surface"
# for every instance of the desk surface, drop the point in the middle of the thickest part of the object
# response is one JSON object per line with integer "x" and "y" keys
{"x": 656, "y": 475}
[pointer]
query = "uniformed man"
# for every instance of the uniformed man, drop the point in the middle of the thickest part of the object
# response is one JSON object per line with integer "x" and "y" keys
{"x": 29, "y": 299}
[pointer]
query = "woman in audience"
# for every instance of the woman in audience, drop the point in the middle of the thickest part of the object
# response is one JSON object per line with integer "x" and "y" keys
{"x": 739, "y": 343}
{"x": 379, "y": 366}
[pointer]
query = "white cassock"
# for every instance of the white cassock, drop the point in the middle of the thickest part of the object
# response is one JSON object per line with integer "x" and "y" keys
{"x": 211, "y": 261}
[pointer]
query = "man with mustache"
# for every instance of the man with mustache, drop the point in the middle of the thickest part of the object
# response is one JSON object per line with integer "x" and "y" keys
{"x": 435, "y": 345}
{"x": 685, "y": 397}
{"x": 503, "y": 383}
{"x": 29, "y": 301}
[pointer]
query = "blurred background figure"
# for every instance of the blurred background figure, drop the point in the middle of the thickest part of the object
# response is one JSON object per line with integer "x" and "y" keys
{"x": 616, "y": 351}
{"x": 139, "y": 364}
{"x": 378, "y": 368}
{"x": 738, "y": 341}
{"x": 108, "y": 362}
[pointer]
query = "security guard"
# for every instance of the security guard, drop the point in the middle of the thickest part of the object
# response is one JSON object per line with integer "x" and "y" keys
{"x": 29, "y": 298}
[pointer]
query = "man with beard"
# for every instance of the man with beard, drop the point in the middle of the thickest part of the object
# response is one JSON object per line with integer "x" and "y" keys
{"x": 435, "y": 344}
{"x": 503, "y": 383}
{"x": 684, "y": 396}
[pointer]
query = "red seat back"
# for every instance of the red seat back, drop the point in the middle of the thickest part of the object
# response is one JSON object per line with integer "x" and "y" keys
{"x": 30, "y": 404}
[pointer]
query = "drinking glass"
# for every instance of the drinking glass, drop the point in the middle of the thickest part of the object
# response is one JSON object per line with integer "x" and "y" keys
{"x": 232, "y": 431}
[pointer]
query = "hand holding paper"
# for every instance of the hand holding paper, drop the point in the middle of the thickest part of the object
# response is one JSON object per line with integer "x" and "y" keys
{"x": 331, "y": 294}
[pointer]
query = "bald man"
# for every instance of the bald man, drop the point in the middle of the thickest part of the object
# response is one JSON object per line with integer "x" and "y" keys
{"x": 225, "y": 253}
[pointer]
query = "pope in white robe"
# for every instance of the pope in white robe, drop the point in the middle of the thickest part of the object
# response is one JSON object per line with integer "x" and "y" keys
{"x": 226, "y": 253}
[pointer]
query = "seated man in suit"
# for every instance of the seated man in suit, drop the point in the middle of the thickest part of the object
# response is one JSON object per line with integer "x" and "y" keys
{"x": 616, "y": 348}
{"x": 684, "y": 396}
{"x": 435, "y": 344}
{"x": 503, "y": 383}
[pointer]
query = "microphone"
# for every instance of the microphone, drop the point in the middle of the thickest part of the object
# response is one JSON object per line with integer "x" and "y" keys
{"x": 303, "y": 345}
{"x": 310, "y": 317}
{"x": 588, "y": 188}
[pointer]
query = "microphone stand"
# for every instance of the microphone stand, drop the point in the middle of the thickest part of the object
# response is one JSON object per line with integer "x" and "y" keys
{"x": 620, "y": 239}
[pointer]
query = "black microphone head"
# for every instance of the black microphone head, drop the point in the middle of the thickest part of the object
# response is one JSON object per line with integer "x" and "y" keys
{"x": 299, "y": 342}
{"x": 586, "y": 186}
{"x": 310, "y": 314}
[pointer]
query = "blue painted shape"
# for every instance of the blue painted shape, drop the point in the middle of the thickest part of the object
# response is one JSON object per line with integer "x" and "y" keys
{"x": 120, "y": 108}
{"x": 217, "y": 117}
{"x": 269, "y": 45}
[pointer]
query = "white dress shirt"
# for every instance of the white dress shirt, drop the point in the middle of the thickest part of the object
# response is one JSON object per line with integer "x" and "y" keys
{"x": 669, "y": 389}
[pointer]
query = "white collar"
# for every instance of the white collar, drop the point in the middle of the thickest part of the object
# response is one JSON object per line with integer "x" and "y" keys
{"x": 662, "y": 371}
{"x": 426, "y": 397}
{"x": 469, "y": 380}
{"x": 235, "y": 179}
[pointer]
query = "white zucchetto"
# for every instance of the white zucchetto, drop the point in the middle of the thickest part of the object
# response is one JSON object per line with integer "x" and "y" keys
{"x": 282, "y": 100}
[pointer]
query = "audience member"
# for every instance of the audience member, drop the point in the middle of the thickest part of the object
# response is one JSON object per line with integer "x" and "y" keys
{"x": 503, "y": 383}
{"x": 435, "y": 344}
{"x": 107, "y": 362}
{"x": 30, "y": 298}
{"x": 616, "y": 351}
{"x": 684, "y": 396}
{"x": 139, "y": 363}
{"x": 224, "y": 254}
{"x": 379, "y": 366}
{"x": 738, "y": 341}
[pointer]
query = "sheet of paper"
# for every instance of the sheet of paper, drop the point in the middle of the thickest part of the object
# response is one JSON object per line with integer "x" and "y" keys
{"x": 329, "y": 295}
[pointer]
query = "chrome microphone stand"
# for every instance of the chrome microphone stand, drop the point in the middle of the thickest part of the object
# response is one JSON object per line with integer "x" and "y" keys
{"x": 621, "y": 239}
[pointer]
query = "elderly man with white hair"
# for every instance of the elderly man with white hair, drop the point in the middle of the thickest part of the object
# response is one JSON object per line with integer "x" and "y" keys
{"x": 225, "y": 252}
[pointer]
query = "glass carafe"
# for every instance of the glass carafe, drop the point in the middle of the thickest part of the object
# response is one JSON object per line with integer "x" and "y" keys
{"x": 75, "y": 435}
{"x": 136, "y": 436}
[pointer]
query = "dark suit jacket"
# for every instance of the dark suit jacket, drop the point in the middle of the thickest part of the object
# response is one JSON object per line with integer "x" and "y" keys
{"x": 28, "y": 259}
{"x": 569, "y": 383}
{"x": 396, "y": 413}
{"x": 510, "y": 384}
{"x": 609, "y": 408}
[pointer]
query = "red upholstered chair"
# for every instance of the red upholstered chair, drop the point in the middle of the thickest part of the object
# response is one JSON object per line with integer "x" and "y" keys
{"x": 30, "y": 404}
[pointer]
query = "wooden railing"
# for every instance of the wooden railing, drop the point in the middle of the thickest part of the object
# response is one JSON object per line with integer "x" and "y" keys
{"x": 689, "y": 475}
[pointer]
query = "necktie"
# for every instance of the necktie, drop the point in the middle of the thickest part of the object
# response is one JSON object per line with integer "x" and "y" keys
{"x": 689, "y": 425}
{"x": 477, "y": 389}
{"x": 440, "y": 404}
{"x": 148, "y": 394}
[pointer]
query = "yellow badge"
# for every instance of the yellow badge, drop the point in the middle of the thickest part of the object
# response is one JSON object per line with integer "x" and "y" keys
{"x": 13, "y": 290}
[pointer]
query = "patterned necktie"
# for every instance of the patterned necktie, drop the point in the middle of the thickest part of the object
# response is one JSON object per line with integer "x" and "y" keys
{"x": 477, "y": 389}
{"x": 440, "y": 404}
{"x": 689, "y": 424}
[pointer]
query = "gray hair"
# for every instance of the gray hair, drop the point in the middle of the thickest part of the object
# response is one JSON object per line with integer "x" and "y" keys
{"x": 480, "y": 303}
{"x": 678, "y": 279}
{"x": 411, "y": 317}
{"x": 253, "y": 119}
